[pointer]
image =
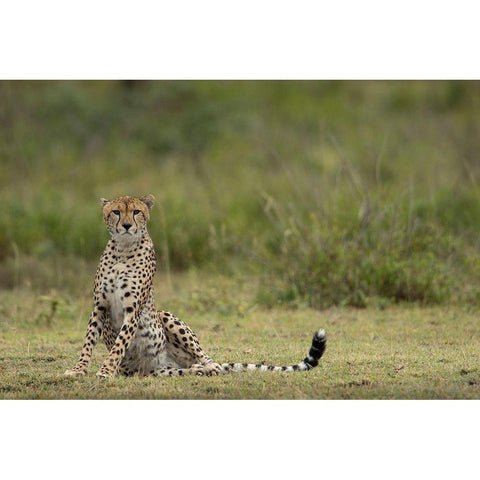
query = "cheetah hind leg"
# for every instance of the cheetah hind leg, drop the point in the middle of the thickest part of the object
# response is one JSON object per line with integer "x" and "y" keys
{"x": 183, "y": 346}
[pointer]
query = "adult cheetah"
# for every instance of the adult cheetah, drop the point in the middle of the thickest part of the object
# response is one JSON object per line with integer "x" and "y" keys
{"x": 140, "y": 339}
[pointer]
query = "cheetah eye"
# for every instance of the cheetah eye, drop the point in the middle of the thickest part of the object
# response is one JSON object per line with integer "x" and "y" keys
{"x": 136, "y": 212}
{"x": 116, "y": 212}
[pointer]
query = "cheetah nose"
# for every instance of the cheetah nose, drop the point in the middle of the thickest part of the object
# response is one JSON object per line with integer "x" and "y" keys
{"x": 126, "y": 226}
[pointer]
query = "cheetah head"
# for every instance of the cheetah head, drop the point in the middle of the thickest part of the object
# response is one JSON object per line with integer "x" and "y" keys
{"x": 126, "y": 217}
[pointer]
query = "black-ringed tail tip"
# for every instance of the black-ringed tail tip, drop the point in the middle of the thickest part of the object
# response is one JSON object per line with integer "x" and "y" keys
{"x": 319, "y": 343}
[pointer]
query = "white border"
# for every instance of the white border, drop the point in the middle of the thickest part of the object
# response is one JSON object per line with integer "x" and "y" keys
{"x": 252, "y": 39}
{"x": 239, "y": 439}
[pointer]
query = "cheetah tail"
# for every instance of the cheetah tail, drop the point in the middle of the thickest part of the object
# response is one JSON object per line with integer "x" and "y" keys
{"x": 319, "y": 342}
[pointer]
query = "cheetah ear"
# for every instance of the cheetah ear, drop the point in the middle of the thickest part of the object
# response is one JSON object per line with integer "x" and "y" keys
{"x": 148, "y": 200}
{"x": 104, "y": 201}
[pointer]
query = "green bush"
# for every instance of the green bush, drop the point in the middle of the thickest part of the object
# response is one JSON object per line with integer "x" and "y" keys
{"x": 322, "y": 263}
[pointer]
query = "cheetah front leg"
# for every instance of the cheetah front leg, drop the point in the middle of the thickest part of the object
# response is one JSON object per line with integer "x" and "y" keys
{"x": 129, "y": 327}
{"x": 94, "y": 330}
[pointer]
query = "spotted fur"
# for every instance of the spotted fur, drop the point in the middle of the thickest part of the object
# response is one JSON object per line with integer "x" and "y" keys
{"x": 140, "y": 339}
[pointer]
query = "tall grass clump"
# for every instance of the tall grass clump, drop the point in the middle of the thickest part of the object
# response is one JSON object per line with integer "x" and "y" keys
{"x": 364, "y": 256}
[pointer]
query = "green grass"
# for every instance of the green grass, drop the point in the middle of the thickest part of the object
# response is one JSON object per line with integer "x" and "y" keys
{"x": 402, "y": 352}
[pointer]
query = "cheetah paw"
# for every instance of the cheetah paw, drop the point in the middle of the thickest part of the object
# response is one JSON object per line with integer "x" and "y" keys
{"x": 213, "y": 368}
{"x": 206, "y": 370}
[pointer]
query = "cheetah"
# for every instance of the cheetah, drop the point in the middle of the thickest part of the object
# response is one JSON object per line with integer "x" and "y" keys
{"x": 141, "y": 340}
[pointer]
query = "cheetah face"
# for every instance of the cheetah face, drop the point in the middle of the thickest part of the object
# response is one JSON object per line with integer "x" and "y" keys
{"x": 126, "y": 217}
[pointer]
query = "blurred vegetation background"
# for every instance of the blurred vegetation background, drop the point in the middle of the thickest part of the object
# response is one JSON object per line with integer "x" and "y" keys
{"x": 327, "y": 192}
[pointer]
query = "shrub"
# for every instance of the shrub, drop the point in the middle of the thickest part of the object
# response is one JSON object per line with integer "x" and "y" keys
{"x": 322, "y": 263}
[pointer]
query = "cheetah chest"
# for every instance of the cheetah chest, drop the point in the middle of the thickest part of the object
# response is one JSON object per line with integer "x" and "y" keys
{"x": 115, "y": 287}
{"x": 117, "y": 315}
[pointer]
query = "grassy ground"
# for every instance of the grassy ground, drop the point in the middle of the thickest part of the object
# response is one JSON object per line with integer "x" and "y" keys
{"x": 402, "y": 352}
